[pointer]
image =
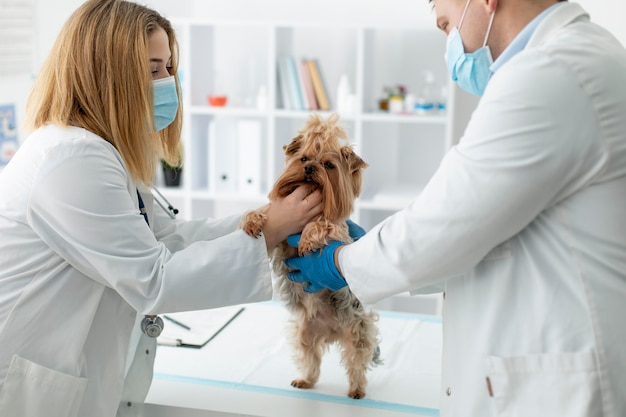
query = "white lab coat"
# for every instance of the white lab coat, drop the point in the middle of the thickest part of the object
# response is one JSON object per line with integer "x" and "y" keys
{"x": 524, "y": 227}
{"x": 78, "y": 264}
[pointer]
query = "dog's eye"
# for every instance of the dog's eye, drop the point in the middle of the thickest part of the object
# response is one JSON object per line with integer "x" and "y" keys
{"x": 329, "y": 165}
{"x": 304, "y": 159}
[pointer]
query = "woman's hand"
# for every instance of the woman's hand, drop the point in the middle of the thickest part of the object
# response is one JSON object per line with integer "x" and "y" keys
{"x": 289, "y": 215}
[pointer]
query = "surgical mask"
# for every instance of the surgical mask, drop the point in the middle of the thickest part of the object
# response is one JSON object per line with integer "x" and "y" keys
{"x": 165, "y": 102}
{"x": 470, "y": 71}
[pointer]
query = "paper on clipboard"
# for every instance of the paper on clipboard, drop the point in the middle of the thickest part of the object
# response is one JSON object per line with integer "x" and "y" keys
{"x": 196, "y": 328}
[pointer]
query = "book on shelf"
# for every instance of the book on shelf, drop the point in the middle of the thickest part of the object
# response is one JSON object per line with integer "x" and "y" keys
{"x": 301, "y": 85}
{"x": 290, "y": 84}
{"x": 307, "y": 86}
{"x": 297, "y": 95}
{"x": 318, "y": 85}
{"x": 283, "y": 83}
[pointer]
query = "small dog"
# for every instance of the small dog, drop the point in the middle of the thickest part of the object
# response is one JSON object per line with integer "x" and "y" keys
{"x": 317, "y": 159}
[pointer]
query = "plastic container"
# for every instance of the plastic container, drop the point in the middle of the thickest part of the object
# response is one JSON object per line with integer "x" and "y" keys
{"x": 443, "y": 100}
{"x": 396, "y": 104}
{"x": 217, "y": 101}
{"x": 409, "y": 103}
{"x": 428, "y": 100}
{"x": 343, "y": 93}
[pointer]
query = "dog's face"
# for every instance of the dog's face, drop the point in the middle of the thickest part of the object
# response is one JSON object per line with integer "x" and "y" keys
{"x": 317, "y": 158}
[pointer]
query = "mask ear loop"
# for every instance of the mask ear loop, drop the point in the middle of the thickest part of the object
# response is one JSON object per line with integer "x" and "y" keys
{"x": 463, "y": 15}
{"x": 489, "y": 28}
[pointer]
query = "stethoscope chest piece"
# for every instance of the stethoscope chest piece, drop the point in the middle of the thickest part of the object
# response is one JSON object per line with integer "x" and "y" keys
{"x": 152, "y": 326}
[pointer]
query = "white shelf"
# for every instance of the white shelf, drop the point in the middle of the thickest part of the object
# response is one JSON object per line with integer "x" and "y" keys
{"x": 404, "y": 118}
{"x": 227, "y": 111}
{"x": 303, "y": 114}
{"x": 238, "y": 58}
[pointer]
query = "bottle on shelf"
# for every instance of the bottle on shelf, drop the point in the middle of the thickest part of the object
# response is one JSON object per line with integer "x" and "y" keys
{"x": 443, "y": 99}
{"x": 396, "y": 104}
{"x": 428, "y": 100}
{"x": 261, "y": 98}
{"x": 409, "y": 103}
{"x": 343, "y": 95}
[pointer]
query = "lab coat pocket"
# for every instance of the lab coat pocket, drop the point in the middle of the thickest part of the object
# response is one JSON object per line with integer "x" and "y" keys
{"x": 33, "y": 390}
{"x": 564, "y": 384}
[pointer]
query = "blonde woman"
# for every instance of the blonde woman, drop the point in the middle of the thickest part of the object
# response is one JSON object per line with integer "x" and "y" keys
{"x": 79, "y": 263}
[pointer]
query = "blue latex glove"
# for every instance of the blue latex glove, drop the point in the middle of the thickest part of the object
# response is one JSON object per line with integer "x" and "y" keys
{"x": 316, "y": 270}
{"x": 355, "y": 231}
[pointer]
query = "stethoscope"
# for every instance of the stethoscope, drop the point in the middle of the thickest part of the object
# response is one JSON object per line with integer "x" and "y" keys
{"x": 163, "y": 203}
{"x": 152, "y": 325}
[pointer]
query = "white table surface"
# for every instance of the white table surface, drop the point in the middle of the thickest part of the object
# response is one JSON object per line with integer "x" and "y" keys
{"x": 247, "y": 369}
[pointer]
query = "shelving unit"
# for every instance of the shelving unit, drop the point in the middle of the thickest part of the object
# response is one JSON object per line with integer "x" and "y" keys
{"x": 239, "y": 59}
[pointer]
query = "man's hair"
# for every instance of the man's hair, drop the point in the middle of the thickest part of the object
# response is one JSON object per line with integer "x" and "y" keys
{"x": 97, "y": 76}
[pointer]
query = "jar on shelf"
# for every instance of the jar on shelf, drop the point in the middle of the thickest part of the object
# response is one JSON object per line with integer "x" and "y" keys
{"x": 428, "y": 100}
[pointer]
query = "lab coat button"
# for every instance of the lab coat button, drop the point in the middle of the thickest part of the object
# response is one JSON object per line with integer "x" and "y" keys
{"x": 448, "y": 391}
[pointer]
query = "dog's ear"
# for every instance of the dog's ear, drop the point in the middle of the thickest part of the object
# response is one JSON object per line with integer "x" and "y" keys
{"x": 355, "y": 168}
{"x": 294, "y": 146}
{"x": 354, "y": 161}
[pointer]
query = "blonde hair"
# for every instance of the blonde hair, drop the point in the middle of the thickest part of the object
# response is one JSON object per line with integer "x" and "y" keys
{"x": 97, "y": 77}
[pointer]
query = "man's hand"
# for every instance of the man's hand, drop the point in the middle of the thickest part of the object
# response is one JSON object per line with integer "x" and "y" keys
{"x": 316, "y": 270}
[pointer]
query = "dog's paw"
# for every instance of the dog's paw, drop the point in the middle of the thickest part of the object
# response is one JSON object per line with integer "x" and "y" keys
{"x": 357, "y": 394}
{"x": 307, "y": 246}
{"x": 319, "y": 233}
{"x": 252, "y": 223}
{"x": 301, "y": 383}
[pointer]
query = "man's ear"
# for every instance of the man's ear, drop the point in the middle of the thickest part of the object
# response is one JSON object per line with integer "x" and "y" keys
{"x": 294, "y": 146}
{"x": 490, "y": 5}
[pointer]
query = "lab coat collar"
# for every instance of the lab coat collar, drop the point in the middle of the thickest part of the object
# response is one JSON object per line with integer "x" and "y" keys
{"x": 522, "y": 38}
{"x": 561, "y": 17}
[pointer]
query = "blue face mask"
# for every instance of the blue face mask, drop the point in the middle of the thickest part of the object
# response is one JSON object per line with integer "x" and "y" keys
{"x": 165, "y": 102}
{"x": 470, "y": 71}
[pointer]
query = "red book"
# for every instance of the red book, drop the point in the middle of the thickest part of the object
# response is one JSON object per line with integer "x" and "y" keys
{"x": 308, "y": 86}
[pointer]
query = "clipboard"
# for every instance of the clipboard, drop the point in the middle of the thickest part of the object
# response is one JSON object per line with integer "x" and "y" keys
{"x": 195, "y": 329}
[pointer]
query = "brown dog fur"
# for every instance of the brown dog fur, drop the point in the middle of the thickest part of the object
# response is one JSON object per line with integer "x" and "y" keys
{"x": 316, "y": 158}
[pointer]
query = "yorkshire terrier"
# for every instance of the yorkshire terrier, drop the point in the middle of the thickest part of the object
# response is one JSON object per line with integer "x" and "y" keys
{"x": 317, "y": 159}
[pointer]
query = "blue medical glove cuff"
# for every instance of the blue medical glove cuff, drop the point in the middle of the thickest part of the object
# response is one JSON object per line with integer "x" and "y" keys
{"x": 355, "y": 231}
{"x": 316, "y": 270}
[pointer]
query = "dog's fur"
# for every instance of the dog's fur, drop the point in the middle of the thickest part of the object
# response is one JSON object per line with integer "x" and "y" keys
{"x": 316, "y": 158}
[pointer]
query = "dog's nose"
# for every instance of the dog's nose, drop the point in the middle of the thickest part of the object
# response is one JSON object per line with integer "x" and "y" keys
{"x": 309, "y": 170}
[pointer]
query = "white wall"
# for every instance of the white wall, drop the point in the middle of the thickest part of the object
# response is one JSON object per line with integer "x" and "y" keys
{"x": 52, "y": 14}
{"x": 369, "y": 11}
{"x": 609, "y": 13}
